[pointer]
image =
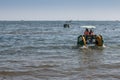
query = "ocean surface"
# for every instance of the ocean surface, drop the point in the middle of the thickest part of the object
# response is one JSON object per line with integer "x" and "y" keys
{"x": 45, "y": 50}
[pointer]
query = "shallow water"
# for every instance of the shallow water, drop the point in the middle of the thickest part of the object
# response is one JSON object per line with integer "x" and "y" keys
{"x": 44, "y": 50}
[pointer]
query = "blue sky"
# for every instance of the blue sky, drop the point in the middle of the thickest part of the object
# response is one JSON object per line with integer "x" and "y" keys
{"x": 59, "y": 9}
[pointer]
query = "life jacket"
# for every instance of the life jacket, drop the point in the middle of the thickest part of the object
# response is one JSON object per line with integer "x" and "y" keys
{"x": 91, "y": 33}
{"x": 86, "y": 33}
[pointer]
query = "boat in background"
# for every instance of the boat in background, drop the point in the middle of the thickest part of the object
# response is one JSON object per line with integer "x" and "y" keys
{"x": 67, "y": 24}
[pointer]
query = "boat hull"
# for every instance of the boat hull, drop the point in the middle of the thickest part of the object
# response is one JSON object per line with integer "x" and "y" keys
{"x": 90, "y": 40}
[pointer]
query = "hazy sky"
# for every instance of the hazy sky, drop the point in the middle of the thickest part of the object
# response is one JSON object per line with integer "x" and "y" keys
{"x": 59, "y": 9}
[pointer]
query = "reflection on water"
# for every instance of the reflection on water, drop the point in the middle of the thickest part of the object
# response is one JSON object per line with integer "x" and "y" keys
{"x": 44, "y": 50}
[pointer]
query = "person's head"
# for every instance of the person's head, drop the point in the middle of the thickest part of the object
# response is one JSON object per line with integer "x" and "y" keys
{"x": 91, "y": 30}
{"x": 87, "y": 29}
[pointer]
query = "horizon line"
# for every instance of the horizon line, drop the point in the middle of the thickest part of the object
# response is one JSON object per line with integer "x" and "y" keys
{"x": 58, "y": 20}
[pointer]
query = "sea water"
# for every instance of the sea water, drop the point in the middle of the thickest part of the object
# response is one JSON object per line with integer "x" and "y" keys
{"x": 45, "y": 50}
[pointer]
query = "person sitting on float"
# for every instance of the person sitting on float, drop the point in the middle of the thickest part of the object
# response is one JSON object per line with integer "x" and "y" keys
{"x": 91, "y": 34}
{"x": 86, "y": 33}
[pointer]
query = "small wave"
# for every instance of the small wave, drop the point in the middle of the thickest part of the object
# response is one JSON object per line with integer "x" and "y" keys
{"x": 84, "y": 47}
{"x": 104, "y": 46}
{"x": 14, "y": 73}
{"x": 92, "y": 47}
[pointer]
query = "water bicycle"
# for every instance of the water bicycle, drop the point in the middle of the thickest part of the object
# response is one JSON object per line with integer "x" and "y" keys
{"x": 89, "y": 40}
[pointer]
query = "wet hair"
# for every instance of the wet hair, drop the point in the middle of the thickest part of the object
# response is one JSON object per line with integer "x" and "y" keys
{"x": 91, "y": 30}
{"x": 87, "y": 29}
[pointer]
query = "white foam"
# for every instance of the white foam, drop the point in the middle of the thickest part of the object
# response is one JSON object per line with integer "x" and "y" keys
{"x": 104, "y": 46}
{"x": 84, "y": 47}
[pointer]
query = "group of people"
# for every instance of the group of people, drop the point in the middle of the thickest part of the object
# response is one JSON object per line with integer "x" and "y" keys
{"x": 87, "y": 32}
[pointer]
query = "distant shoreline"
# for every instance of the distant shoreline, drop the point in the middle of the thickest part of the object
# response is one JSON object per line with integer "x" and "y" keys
{"x": 59, "y": 20}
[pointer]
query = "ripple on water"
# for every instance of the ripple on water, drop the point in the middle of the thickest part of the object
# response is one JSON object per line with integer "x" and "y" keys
{"x": 44, "y": 50}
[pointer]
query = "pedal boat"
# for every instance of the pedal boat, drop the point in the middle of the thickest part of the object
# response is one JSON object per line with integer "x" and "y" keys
{"x": 90, "y": 40}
